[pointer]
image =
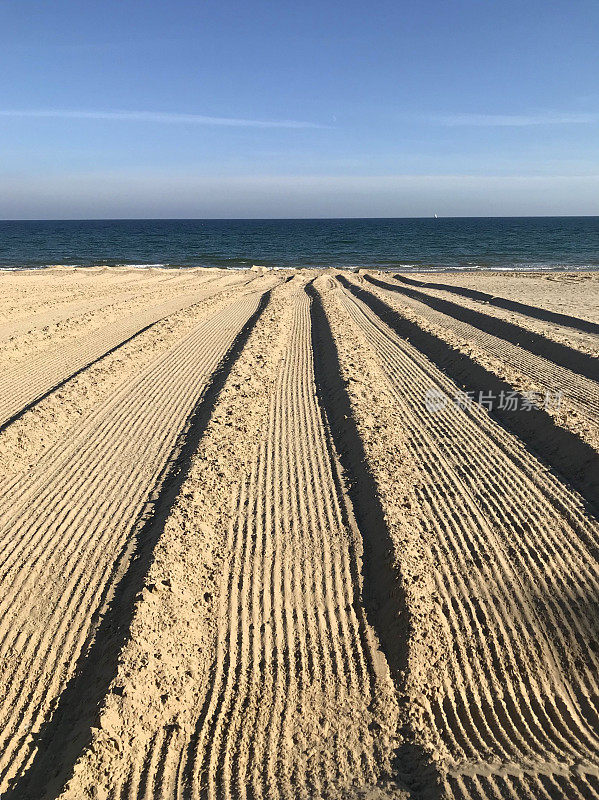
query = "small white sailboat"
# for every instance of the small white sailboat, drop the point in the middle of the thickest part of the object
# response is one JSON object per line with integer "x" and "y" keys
{"x": 436, "y": 217}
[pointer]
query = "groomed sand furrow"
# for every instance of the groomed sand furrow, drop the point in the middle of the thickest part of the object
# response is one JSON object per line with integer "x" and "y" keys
{"x": 287, "y": 710}
{"x": 522, "y": 456}
{"x": 504, "y": 533}
{"x": 577, "y": 390}
{"x": 516, "y": 785}
{"x": 550, "y": 321}
{"x": 98, "y": 468}
{"x": 112, "y": 299}
{"x": 24, "y": 293}
{"x": 61, "y": 469}
{"x": 70, "y": 593}
{"x": 29, "y": 381}
{"x": 66, "y": 549}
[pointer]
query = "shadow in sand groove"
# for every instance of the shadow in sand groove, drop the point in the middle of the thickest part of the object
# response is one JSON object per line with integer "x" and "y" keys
{"x": 559, "y": 354}
{"x": 510, "y": 305}
{"x": 63, "y": 738}
{"x": 573, "y": 460}
{"x": 383, "y": 596}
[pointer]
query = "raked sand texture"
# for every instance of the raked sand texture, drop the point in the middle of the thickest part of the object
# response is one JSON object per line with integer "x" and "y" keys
{"x": 260, "y": 540}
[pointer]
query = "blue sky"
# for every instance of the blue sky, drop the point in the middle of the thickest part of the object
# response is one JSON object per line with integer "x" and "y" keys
{"x": 252, "y": 109}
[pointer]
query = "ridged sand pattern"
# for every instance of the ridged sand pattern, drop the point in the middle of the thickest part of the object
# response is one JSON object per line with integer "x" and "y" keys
{"x": 33, "y": 377}
{"x": 515, "y": 561}
{"x": 66, "y": 527}
{"x": 250, "y": 560}
{"x": 298, "y": 684}
{"x": 574, "y": 389}
{"x": 25, "y": 314}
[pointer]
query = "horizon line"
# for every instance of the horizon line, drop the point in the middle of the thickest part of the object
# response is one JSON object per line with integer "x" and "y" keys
{"x": 289, "y": 219}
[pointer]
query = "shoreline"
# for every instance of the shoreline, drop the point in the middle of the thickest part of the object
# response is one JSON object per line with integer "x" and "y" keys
{"x": 399, "y": 267}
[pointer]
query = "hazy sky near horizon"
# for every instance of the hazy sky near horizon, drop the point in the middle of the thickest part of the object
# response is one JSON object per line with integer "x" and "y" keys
{"x": 150, "y": 108}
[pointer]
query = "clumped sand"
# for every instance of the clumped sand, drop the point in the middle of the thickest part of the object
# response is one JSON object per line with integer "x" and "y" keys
{"x": 253, "y": 546}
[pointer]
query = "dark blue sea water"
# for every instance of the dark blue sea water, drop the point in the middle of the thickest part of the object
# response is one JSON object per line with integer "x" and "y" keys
{"x": 449, "y": 243}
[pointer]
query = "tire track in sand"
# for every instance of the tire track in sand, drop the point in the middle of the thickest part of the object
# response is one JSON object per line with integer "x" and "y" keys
{"x": 565, "y": 450}
{"x": 113, "y": 296}
{"x": 299, "y": 702}
{"x": 24, "y": 293}
{"x": 581, "y": 390}
{"x": 26, "y": 383}
{"x": 535, "y": 312}
{"x": 514, "y": 559}
{"x": 66, "y": 531}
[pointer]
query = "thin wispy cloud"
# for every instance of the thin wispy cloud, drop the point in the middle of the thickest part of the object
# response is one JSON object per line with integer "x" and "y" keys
{"x": 513, "y": 120}
{"x": 157, "y": 117}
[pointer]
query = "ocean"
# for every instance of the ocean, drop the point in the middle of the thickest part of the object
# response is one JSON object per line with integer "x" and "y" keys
{"x": 502, "y": 243}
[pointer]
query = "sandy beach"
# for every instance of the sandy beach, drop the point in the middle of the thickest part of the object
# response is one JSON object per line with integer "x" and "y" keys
{"x": 298, "y": 533}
